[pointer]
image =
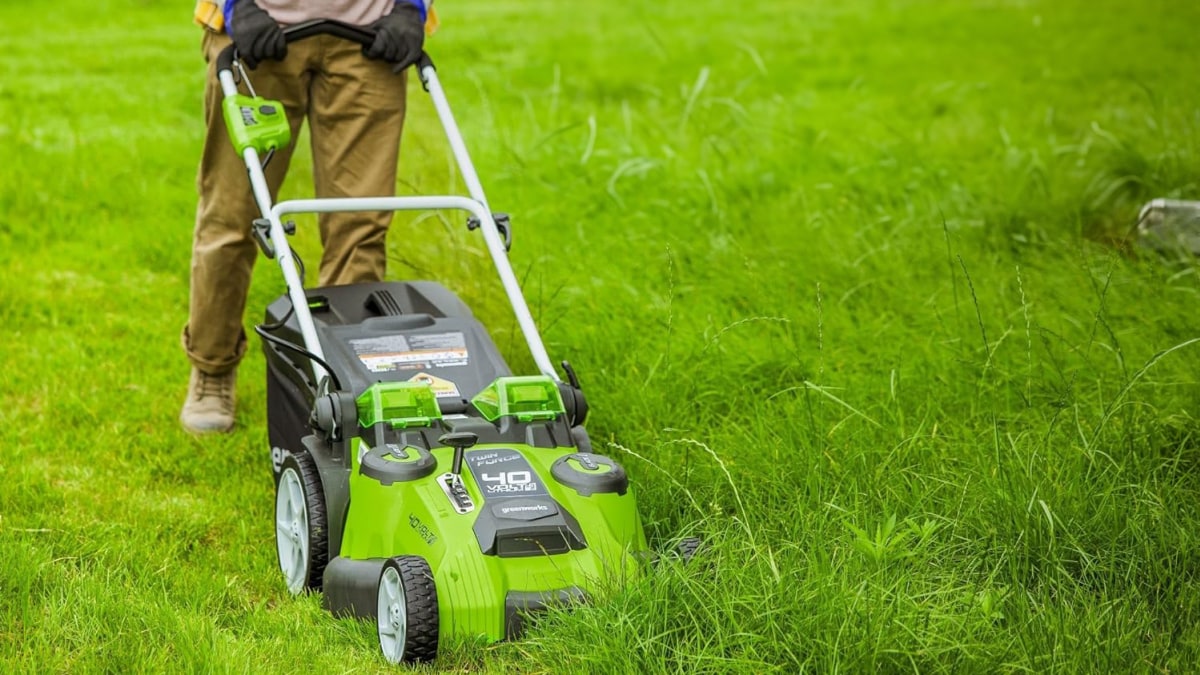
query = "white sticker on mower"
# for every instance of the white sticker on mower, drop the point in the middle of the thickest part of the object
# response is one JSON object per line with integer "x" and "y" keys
{"x": 537, "y": 509}
{"x": 442, "y": 388}
{"x": 277, "y": 456}
{"x": 503, "y": 473}
{"x": 412, "y": 352}
{"x": 493, "y": 458}
{"x": 509, "y": 482}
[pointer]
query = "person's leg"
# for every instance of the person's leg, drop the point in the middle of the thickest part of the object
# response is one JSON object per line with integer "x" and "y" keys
{"x": 357, "y": 112}
{"x": 223, "y": 251}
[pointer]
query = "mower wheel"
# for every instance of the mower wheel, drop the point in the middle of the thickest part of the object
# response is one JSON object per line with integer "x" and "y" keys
{"x": 301, "y": 534}
{"x": 407, "y": 610}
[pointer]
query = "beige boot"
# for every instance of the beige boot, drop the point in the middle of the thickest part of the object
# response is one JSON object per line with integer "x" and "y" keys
{"x": 210, "y": 402}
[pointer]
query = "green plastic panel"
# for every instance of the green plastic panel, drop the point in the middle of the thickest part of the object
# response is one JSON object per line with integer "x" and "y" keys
{"x": 414, "y": 518}
{"x": 529, "y": 398}
{"x": 398, "y": 404}
{"x": 255, "y": 122}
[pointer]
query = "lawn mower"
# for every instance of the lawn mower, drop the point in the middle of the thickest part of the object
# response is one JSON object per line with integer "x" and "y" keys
{"x": 419, "y": 482}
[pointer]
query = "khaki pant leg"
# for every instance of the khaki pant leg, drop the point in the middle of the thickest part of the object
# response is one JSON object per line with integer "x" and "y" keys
{"x": 223, "y": 252}
{"x": 356, "y": 116}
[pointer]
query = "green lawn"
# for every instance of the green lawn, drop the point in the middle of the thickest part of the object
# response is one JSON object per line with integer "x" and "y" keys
{"x": 842, "y": 279}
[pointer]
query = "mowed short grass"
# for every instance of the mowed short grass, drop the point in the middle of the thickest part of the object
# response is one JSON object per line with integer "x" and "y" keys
{"x": 844, "y": 282}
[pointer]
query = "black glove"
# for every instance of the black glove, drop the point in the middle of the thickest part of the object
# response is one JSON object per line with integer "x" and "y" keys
{"x": 399, "y": 37}
{"x": 256, "y": 35}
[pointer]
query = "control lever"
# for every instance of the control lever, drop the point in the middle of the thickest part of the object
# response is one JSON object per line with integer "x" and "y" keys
{"x": 460, "y": 441}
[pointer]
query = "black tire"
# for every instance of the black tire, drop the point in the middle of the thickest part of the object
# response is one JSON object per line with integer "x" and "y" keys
{"x": 406, "y": 610}
{"x": 301, "y": 530}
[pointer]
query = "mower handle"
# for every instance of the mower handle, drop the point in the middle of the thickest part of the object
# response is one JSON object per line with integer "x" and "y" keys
{"x": 307, "y": 29}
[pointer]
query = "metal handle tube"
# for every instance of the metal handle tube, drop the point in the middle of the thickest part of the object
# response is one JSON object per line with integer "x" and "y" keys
{"x": 476, "y": 205}
{"x": 228, "y": 85}
{"x": 457, "y": 146}
{"x": 490, "y": 235}
{"x": 283, "y": 252}
{"x": 287, "y": 263}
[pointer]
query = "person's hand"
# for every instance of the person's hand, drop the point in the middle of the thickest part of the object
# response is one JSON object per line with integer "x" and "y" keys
{"x": 256, "y": 35}
{"x": 399, "y": 37}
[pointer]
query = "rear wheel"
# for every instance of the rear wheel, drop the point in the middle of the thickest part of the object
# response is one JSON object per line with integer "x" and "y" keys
{"x": 407, "y": 610}
{"x": 301, "y": 537}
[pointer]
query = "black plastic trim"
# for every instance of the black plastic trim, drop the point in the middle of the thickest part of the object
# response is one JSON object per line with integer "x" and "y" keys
{"x": 520, "y": 605}
{"x": 588, "y": 484}
{"x": 350, "y": 587}
{"x": 376, "y": 465}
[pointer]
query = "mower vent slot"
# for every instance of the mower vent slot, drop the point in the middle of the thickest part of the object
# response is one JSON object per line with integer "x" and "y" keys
{"x": 383, "y": 303}
{"x": 528, "y": 544}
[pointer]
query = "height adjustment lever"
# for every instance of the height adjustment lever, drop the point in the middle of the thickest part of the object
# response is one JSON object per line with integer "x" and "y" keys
{"x": 451, "y": 482}
{"x": 503, "y": 223}
{"x": 460, "y": 441}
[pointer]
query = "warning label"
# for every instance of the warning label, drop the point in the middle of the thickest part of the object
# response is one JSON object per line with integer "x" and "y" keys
{"x": 442, "y": 388}
{"x": 411, "y": 352}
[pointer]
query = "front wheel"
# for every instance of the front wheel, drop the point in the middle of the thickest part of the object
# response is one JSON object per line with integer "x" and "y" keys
{"x": 407, "y": 610}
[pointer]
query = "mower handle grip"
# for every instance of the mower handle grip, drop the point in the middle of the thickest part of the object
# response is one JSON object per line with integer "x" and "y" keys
{"x": 307, "y": 29}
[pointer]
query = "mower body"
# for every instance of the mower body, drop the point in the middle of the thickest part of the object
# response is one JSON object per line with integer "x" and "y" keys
{"x": 534, "y": 518}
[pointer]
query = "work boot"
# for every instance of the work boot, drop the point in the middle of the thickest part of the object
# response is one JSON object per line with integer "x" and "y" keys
{"x": 210, "y": 401}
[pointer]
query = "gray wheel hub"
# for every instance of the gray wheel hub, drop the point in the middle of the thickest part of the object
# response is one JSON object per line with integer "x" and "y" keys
{"x": 291, "y": 531}
{"x": 392, "y": 613}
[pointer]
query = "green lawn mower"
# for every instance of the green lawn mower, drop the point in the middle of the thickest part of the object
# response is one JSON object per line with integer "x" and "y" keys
{"x": 419, "y": 482}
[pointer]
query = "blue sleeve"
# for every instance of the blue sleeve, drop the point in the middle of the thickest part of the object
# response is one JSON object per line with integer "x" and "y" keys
{"x": 228, "y": 12}
{"x": 419, "y": 4}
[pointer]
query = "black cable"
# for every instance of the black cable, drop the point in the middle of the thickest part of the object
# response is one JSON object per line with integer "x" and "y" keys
{"x": 280, "y": 342}
{"x": 300, "y": 266}
{"x": 263, "y": 330}
{"x": 278, "y": 324}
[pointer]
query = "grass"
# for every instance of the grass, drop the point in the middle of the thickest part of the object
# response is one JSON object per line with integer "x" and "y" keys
{"x": 844, "y": 282}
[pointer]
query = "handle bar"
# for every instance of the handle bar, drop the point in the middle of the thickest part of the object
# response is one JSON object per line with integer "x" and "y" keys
{"x": 300, "y": 31}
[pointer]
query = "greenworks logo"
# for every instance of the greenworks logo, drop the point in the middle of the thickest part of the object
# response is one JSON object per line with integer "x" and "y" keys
{"x": 421, "y": 529}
